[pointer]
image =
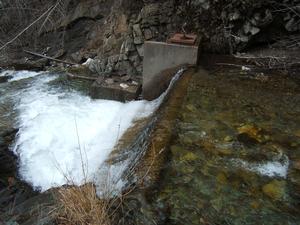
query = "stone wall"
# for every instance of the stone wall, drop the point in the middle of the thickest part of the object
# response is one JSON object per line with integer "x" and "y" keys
{"x": 112, "y": 33}
{"x": 124, "y": 54}
{"x": 236, "y": 27}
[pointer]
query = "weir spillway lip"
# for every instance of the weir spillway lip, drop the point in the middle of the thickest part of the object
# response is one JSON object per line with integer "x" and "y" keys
{"x": 147, "y": 148}
{"x": 159, "y": 58}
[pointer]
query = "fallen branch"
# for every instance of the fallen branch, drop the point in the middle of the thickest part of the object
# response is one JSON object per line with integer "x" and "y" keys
{"x": 258, "y": 57}
{"x": 50, "y": 58}
{"x": 234, "y": 65}
{"x": 70, "y": 75}
{"x": 262, "y": 67}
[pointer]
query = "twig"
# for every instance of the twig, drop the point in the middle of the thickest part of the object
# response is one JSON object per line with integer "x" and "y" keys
{"x": 50, "y": 58}
{"x": 230, "y": 64}
{"x": 80, "y": 151}
{"x": 81, "y": 77}
{"x": 258, "y": 57}
{"x": 48, "y": 16}
{"x": 26, "y": 28}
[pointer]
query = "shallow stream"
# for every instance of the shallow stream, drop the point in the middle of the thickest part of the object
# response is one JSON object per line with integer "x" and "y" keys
{"x": 235, "y": 158}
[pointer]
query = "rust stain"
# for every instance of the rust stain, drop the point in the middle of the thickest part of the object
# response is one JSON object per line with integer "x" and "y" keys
{"x": 183, "y": 39}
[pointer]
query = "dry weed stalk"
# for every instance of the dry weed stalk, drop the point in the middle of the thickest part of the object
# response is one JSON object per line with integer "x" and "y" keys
{"x": 81, "y": 206}
{"x": 86, "y": 204}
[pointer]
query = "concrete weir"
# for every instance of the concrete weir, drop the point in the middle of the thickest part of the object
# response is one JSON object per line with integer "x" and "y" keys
{"x": 161, "y": 60}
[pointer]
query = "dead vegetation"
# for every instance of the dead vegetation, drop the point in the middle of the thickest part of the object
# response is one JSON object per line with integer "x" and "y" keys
{"x": 101, "y": 205}
{"x": 81, "y": 206}
{"x": 21, "y": 21}
{"x": 277, "y": 61}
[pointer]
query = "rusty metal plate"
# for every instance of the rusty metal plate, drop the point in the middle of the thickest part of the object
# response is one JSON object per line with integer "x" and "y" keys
{"x": 183, "y": 39}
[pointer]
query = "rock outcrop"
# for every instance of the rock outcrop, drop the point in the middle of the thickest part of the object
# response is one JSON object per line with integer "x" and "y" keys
{"x": 112, "y": 33}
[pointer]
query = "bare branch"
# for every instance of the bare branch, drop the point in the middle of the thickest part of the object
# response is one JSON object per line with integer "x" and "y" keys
{"x": 49, "y": 14}
{"x": 49, "y": 10}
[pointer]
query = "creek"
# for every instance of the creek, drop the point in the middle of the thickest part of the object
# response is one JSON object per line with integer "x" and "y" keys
{"x": 232, "y": 158}
{"x": 63, "y": 136}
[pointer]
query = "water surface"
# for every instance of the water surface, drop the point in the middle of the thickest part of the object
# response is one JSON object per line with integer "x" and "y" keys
{"x": 235, "y": 158}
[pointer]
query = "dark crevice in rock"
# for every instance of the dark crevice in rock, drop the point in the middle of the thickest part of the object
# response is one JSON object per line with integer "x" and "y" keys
{"x": 82, "y": 19}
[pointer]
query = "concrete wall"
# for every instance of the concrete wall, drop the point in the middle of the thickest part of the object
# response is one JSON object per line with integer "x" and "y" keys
{"x": 159, "y": 59}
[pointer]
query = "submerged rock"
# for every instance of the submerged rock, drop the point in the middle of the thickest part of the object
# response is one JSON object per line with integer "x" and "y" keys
{"x": 4, "y": 79}
{"x": 229, "y": 160}
{"x": 275, "y": 189}
{"x": 182, "y": 154}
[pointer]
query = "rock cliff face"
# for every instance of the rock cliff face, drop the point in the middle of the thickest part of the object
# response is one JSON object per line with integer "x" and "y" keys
{"x": 113, "y": 32}
{"x": 118, "y": 43}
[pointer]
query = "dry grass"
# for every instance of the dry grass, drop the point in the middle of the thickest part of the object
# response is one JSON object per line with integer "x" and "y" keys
{"x": 81, "y": 206}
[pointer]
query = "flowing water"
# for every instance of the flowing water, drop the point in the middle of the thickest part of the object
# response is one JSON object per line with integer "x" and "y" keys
{"x": 63, "y": 136}
{"x": 235, "y": 158}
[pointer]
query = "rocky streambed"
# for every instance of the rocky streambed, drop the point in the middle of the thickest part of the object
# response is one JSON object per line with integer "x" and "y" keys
{"x": 234, "y": 155}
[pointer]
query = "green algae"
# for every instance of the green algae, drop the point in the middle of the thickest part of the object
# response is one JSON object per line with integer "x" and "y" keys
{"x": 225, "y": 120}
{"x": 275, "y": 189}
